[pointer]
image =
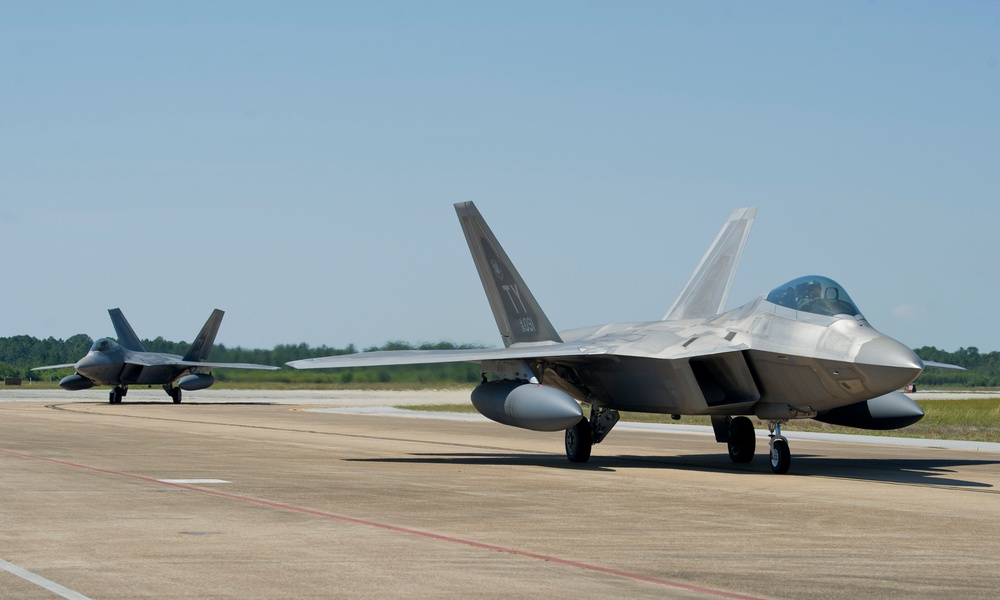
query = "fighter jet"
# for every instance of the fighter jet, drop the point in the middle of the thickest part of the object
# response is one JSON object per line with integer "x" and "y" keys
{"x": 801, "y": 351}
{"x": 126, "y": 362}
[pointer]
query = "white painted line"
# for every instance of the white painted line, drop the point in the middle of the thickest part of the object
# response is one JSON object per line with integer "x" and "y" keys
{"x": 40, "y": 581}
{"x": 193, "y": 481}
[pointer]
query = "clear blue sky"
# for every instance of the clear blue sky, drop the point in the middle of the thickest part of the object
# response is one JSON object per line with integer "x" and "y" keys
{"x": 295, "y": 163}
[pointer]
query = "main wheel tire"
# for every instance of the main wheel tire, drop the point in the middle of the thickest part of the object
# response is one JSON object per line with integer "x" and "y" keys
{"x": 579, "y": 441}
{"x": 781, "y": 456}
{"x": 742, "y": 440}
{"x": 176, "y": 395}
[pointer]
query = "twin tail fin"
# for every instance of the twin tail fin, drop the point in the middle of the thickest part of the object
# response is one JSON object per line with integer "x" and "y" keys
{"x": 517, "y": 313}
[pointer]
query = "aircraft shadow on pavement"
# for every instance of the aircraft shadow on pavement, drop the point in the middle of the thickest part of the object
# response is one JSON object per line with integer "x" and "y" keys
{"x": 551, "y": 461}
{"x": 169, "y": 403}
{"x": 930, "y": 472}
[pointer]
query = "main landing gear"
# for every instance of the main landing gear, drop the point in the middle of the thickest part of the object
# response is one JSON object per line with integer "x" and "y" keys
{"x": 173, "y": 392}
{"x": 579, "y": 441}
{"x": 117, "y": 393}
{"x": 737, "y": 432}
{"x": 580, "y": 438}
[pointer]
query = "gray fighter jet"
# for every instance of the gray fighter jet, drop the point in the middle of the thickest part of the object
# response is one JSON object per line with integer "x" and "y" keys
{"x": 801, "y": 351}
{"x": 126, "y": 362}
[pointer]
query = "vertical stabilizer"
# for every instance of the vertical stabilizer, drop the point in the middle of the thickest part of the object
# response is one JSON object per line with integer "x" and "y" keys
{"x": 518, "y": 315}
{"x": 202, "y": 345}
{"x": 707, "y": 291}
{"x": 126, "y": 335}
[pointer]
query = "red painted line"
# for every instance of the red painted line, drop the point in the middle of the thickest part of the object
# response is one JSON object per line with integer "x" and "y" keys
{"x": 397, "y": 529}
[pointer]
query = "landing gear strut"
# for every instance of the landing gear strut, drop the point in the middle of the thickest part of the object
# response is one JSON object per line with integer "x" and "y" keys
{"x": 739, "y": 434}
{"x": 173, "y": 392}
{"x": 117, "y": 393}
{"x": 581, "y": 437}
{"x": 742, "y": 440}
{"x": 781, "y": 457}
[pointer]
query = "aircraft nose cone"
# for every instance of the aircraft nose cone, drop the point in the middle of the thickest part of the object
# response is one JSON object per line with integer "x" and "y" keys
{"x": 885, "y": 351}
{"x": 89, "y": 361}
{"x": 888, "y": 364}
{"x": 92, "y": 364}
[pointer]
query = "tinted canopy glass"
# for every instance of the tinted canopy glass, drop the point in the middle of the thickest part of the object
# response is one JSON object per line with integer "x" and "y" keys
{"x": 814, "y": 294}
{"x": 102, "y": 345}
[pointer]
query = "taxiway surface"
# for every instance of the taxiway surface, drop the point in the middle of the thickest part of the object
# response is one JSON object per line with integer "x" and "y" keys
{"x": 234, "y": 496}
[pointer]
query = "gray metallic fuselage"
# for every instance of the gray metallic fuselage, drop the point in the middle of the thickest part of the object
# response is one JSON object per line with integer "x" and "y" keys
{"x": 127, "y": 362}
{"x": 118, "y": 366}
{"x": 804, "y": 350}
{"x": 757, "y": 358}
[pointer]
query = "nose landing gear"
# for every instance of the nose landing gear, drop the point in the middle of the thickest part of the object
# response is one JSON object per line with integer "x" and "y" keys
{"x": 117, "y": 393}
{"x": 781, "y": 456}
{"x": 738, "y": 434}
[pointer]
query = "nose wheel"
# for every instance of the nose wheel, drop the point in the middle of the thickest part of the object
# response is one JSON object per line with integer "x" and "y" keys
{"x": 117, "y": 393}
{"x": 781, "y": 456}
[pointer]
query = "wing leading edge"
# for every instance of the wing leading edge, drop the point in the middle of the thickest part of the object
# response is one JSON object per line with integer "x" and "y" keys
{"x": 554, "y": 353}
{"x": 154, "y": 359}
{"x": 419, "y": 357}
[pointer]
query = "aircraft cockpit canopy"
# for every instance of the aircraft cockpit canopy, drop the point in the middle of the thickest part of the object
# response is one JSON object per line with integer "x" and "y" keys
{"x": 814, "y": 294}
{"x": 103, "y": 345}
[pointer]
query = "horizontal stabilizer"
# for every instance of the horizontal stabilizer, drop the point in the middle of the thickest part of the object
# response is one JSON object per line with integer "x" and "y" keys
{"x": 65, "y": 366}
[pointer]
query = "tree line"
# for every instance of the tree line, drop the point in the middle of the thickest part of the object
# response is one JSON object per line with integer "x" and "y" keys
{"x": 981, "y": 370}
{"x": 18, "y": 354}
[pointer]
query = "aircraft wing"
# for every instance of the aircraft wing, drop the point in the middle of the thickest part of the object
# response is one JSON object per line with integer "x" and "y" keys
{"x": 152, "y": 359}
{"x": 552, "y": 352}
{"x": 938, "y": 365}
{"x": 475, "y": 355}
{"x": 211, "y": 365}
{"x": 66, "y": 366}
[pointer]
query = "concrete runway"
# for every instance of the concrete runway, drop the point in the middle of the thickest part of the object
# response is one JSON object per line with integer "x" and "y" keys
{"x": 270, "y": 500}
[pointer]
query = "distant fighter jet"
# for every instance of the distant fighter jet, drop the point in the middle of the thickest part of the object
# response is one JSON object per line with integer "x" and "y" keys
{"x": 802, "y": 351}
{"x": 127, "y": 362}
